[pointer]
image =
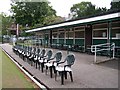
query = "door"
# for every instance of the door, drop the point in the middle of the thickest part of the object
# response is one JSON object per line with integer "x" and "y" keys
{"x": 88, "y": 36}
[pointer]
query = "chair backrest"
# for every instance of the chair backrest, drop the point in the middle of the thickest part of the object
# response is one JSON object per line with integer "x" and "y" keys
{"x": 38, "y": 50}
{"x": 70, "y": 59}
{"x": 26, "y": 48}
{"x": 42, "y": 53}
{"x": 34, "y": 49}
{"x": 58, "y": 56}
{"x": 30, "y": 49}
{"x": 49, "y": 54}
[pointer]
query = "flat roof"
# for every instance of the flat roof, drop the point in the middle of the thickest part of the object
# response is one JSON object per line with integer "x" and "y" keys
{"x": 81, "y": 21}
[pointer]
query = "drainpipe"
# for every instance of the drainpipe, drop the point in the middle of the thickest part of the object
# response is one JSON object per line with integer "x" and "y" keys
{"x": 109, "y": 32}
{"x": 50, "y": 38}
{"x": 44, "y": 39}
{"x": 68, "y": 44}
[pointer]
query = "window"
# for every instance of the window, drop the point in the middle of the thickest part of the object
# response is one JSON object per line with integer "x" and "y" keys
{"x": 115, "y": 24}
{"x": 100, "y": 33}
{"x": 61, "y": 35}
{"x": 100, "y": 26}
{"x": 69, "y": 34}
{"x": 79, "y": 34}
{"x": 115, "y": 33}
{"x": 79, "y": 28}
{"x": 116, "y": 29}
{"x": 54, "y": 35}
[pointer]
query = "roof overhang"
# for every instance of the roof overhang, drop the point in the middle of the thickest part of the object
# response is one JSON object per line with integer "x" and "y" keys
{"x": 87, "y": 20}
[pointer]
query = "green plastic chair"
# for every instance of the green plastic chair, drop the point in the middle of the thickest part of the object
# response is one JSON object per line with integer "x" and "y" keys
{"x": 44, "y": 58}
{"x": 69, "y": 61}
{"x": 52, "y": 63}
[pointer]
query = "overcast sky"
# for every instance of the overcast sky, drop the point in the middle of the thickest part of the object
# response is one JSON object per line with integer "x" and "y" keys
{"x": 62, "y": 7}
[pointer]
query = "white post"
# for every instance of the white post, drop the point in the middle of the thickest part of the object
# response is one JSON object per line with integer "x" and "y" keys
{"x": 113, "y": 50}
{"x": 17, "y": 33}
{"x": 95, "y": 55}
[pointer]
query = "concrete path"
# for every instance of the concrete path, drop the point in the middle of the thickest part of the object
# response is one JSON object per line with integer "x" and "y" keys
{"x": 85, "y": 73}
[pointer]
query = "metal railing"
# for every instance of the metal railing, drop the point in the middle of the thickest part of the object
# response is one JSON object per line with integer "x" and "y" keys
{"x": 103, "y": 47}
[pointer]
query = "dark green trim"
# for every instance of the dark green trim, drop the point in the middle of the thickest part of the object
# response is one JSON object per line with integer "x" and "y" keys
{"x": 79, "y": 42}
{"x": 99, "y": 41}
{"x": 54, "y": 41}
{"x": 69, "y": 41}
{"x": 116, "y": 41}
{"x": 61, "y": 41}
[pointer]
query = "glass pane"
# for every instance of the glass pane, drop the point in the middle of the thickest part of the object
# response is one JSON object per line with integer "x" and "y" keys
{"x": 79, "y": 34}
{"x": 61, "y": 35}
{"x": 54, "y": 35}
{"x": 100, "y": 33}
{"x": 70, "y": 34}
{"x": 116, "y": 24}
{"x": 115, "y": 33}
{"x": 99, "y": 26}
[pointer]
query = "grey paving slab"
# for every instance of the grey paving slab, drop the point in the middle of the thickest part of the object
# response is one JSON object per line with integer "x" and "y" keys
{"x": 85, "y": 73}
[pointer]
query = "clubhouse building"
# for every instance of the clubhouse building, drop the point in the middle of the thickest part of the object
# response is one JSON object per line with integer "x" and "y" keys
{"x": 80, "y": 34}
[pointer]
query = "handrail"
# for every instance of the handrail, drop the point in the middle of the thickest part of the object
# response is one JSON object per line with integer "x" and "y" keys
{"x": 96, "y": 48}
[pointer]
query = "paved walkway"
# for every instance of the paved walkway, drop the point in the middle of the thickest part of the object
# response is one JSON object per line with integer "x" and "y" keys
{"x": 85, "y": 73}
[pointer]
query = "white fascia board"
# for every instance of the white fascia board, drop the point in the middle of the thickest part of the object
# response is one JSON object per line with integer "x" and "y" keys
{"x": 109, "y": 16}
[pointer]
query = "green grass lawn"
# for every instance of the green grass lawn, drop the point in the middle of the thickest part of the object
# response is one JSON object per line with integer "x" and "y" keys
{"x": 12, "y": 76}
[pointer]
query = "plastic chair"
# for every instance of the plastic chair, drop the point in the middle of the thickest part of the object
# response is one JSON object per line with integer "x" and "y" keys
{"x": 51, "y": 64}
{"x": 31, "y": 56}
{"x": 44, "y": 59}
{"x": 66, "y": 68}
{"x": 35, "y": 60}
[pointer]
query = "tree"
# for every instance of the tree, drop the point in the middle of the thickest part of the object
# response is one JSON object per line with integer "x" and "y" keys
{"x": 6, "y": 22}
{"x": 53, "y": 19}
{"x": 31, "y": 13}
{"x": 85, "y": 9}
{"x": 115, "y": 5}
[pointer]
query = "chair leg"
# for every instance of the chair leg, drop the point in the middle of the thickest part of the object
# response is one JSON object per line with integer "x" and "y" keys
{"x": 31, "y": 63}
{"x": 71, "y": 76}
{"x": 54, "y": 69}
{"x": 65, "y": 75}
{"x": 23, "y": 58}
{"x": 55, "y": 75}
{"x": 46, "y": 69}
{"x": 50, "y": 71}
{"x": 27, "y": 60}
{"x": 39, "y": 65}
{"x": 36, "y": 64}
{"x": 62, "y": 78}
{"x": 42, "y": 66}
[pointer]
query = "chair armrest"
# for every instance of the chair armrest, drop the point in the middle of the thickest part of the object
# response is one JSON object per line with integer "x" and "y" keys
{"x": 55, "y": 62}
{"x": 65, "y": 66}
{"x": 42, "y": 57}
{"x": 50, "y": 59}
{"x": 60, "y": 63}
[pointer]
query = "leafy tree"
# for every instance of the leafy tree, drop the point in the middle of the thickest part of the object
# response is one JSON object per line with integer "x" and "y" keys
{"x": 53, "y": 19}
{"x": 6, "y": 22}
{"x": 115, "y": 5}
{"x": 85, "y": 9}
{"x": 31, "y": 13}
